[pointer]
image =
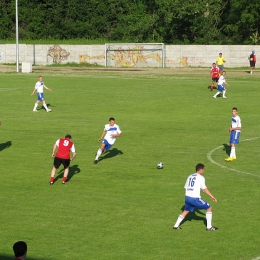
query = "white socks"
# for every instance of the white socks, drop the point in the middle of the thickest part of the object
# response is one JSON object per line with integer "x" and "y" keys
{"x": 46, "y": 107}
{"x": 233, "y": 152}
{"x": 99, "y": 152}
{"x": 179, "y": 220}
{"x": 209, "y": 219}
{"x": 224, "y": 93}
{"x": 35, "y": 106}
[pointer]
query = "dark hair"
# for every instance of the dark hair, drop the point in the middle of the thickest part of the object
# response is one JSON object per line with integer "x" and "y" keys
{"x": 68, "y": 136}
{"x": 213, "y": 63}
{"x": 111, "y": 118}
{"x": 234, "y": 108}
{"x": 20, "y": 248}
{"x": 220, "y": 53}
{"x": 199, "y": 166}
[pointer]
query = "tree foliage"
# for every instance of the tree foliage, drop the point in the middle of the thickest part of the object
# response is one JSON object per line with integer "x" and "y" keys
{"x": 178, "y": 21}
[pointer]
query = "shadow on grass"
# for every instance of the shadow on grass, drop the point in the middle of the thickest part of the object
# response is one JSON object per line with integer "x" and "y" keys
{"x": 5, "y": 145}
{"x": 111, "y": 153}
{"x": 73, "y": 170}
{"x": 7, "y": 257}
{"x": 227, "y": 148}
{"x": 42, "y": 107}
{"x": 192, "y": 216}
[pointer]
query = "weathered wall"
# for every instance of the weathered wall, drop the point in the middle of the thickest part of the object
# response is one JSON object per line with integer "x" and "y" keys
{"x": 175, "y": 55}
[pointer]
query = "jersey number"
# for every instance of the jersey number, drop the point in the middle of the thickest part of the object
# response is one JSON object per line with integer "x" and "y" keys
{"x": 192, "y": 181}
{"x": 66, "y": 143}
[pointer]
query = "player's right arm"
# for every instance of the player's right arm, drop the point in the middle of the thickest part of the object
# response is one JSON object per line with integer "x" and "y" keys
{"x": 33, "y": 92}
{"x": 102, "y": 135}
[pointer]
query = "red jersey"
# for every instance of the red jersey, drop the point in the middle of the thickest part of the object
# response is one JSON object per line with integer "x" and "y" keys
{"x": 215, "y": 72}
{"x": 65, "y": 146}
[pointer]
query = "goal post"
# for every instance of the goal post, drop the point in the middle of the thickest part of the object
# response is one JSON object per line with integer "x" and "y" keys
{"x": 135, "y": 55}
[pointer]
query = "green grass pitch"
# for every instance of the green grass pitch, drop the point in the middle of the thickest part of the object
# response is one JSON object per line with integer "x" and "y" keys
{"x": 123, "y": 207}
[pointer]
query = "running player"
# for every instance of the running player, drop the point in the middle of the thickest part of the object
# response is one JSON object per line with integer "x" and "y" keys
{"x": 221, "y": 87}
{"x": 195, "y": 182}
{"x": 214, "y": 75}
{"x": 111, "y": 132}
{"x": 65, "y": 146}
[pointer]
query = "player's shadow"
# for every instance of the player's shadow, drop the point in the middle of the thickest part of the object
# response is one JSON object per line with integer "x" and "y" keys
{"x": 213, "y": 88}
{"x": 5, "y": 145}
{"x": 42, "y": 107}
{"x": 72, "y": 171}
{"x": 111, "y": 153}
{"x": 6, "y": 257}
{"x": 192, "y": 216}
{"x": 227, "y": 148}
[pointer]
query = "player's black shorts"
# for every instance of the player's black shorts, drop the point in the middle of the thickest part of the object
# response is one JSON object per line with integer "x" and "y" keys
{"x": 58, "y": 161}
{"x": 215, "y": 79}
{"x": 252, "y": 64}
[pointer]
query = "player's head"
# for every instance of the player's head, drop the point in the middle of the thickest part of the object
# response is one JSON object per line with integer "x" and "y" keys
{"x": 68, "y": 136}
{"x": 214, "y": 64}
{"x": 200, "y": 167}
{"x": 40, "y": 78}
{"x": 20, "y": 248}
{"x": 220, "y": 54}
{"x": 223, "y": 72}
{"x": 253, "y": 52}
{"x": 234, "y": 111}
{"x": 112, "y": 121}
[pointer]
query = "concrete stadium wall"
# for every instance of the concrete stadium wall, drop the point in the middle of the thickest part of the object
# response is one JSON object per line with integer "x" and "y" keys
{"x": 175, "y": 55}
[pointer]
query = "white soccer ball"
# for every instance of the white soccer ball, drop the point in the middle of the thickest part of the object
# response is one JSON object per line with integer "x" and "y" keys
{"x": 159, "y": 165}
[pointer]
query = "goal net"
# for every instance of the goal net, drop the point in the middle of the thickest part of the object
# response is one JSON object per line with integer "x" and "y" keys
{"x": 134, "y": 55}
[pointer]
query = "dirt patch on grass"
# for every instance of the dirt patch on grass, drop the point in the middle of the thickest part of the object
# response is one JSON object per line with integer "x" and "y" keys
{"x": 146, "y": 71}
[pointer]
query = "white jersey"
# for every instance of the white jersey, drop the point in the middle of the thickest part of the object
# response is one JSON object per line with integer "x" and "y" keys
{"x": 115, "y": 129}
{"x": 39, "y": 86}
{"x": 194, "y": 183}
{"x": 221, "y": 80}
{"x": 236, "y": 122}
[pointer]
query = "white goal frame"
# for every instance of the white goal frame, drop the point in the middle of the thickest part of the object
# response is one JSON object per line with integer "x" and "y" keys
{"x": 134, "y": 55}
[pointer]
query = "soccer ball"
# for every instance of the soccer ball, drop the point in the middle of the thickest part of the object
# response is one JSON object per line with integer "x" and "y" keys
{"x": 159, "y": 165}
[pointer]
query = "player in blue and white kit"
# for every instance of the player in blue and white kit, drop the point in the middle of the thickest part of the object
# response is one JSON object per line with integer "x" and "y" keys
{"x": 40, "y": 97}
{"x": 111, "y": 132}
{"x": 234, "y": 130}
{"x": 193, "y": 185}
{"x": 221, "y": 87}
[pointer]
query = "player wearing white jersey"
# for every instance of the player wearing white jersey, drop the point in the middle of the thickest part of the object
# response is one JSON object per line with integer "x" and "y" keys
{"x": 221, "y": 87}
{"x": 111, "y": 132}
{"x": 40, "y": 97}
{"x": 234, "y": 131}
{"x": 196, "y": 182}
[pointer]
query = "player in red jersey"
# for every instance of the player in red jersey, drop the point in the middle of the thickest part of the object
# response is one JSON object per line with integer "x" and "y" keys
{"x": 214, "y": 75}
{"x": 65, "y": 146}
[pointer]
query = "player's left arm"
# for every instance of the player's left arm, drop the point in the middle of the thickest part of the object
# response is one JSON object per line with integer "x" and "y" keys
{"x": 117, "y": 135}
{"x": 209, "y": 193}
{"x": 47, "y": 88}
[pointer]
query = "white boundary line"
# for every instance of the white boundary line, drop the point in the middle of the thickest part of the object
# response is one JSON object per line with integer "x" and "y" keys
{"x": 228, "y": 168}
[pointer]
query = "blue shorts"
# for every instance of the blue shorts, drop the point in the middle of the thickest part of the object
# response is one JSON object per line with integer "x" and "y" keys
{"x": 40, "y": 96}
{"x": 107, "y": 145}
{"x": 221, "y": 88}
{"x": 234, "y": 137}
{"x": 191, "y": 203}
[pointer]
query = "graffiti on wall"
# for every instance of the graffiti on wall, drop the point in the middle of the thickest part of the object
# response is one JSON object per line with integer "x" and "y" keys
{"x": 131, "y": 57}
{"x": 58, "y": 54}
{"x": 193, "y": 61}
{"x": 88, "y": 58}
